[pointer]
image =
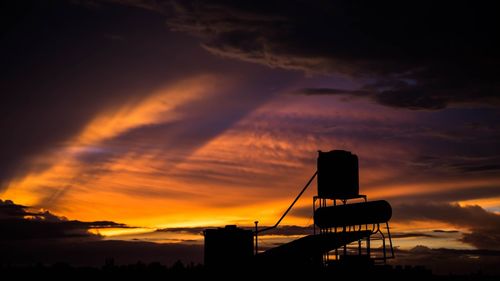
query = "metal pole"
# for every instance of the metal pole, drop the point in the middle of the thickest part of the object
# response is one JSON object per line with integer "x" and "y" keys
{"x": 314, "y": 210}
{"x": 256, "y": 237}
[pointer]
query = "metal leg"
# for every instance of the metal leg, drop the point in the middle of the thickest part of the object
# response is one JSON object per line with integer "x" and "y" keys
{"x": 368, "y": 251}
{"x": 383, "y": 247}
{"x": 390, "y": 239}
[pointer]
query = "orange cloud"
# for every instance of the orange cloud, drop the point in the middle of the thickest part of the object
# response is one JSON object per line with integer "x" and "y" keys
{"x": 159, "y": 107}
{"x": 66, "y": 170}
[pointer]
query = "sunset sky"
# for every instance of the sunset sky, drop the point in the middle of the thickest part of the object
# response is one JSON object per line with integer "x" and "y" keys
{"x": 178, "y": 115}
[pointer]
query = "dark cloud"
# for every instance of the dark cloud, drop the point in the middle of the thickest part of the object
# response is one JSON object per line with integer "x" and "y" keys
{"x": 446, "y": 261}
{"x": 461, "y": 163}
{"x": 487, "y": 237}
{"x": 484, "y": 226}
{"x": 285, "y": 230}
{"x": 453, "y": 195}
{"x": 29, "y": 237}
{"x": 411, "y": 234}
{"x": 410, "y": 97}
{"x": 415, "y": 55}
{"x": 331, "y": 92}
{"x": 190, "y": 230}
{"x": 9, "y": 209}
{"x": 473, "y": 216}
{"x": 445, "y": 231}
{"x": 19, "y": 224}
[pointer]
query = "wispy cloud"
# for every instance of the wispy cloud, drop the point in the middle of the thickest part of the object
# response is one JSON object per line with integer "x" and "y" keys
{"x": 68, "y": 165}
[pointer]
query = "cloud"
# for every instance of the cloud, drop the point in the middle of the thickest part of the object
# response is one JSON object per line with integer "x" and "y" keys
{"x": 29, "y": 237}
{"x": 450, "y": 261}
{"x": 19, "y": 224}
{"x": 484, "y": 226}
{"x": 78, "y": 101}
{"x": 59, "y": 72}
{"x": 285, "y": 230}
{"x": 473, "y": 216}
{"x": 452, "y": 195}
{"x": 409, "y": 97}
{"x": 461, "y": 163}
{"x": 417, "y": 55}
{"x": 87, "y": 156}
{"x": 445, "y": 231}
{"x": 141, "y": 149}
{"x": 9, "y": 209}
{"x": 411, "y": 234}
{"x": 330, "y": 92}
{"x": 63, "y": 75}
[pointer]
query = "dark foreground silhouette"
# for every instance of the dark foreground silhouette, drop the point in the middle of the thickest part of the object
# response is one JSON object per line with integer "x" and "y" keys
{"x": 179, "y": 271}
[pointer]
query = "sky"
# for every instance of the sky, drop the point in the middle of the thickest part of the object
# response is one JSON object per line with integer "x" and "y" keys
{"x": 141, "y": 120}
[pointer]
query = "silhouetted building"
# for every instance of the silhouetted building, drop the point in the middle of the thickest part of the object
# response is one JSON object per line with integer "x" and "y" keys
{"x": 228, "y": 247}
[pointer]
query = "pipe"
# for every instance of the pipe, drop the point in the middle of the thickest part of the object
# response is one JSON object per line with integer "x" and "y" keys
{"x": 289, "y": 208}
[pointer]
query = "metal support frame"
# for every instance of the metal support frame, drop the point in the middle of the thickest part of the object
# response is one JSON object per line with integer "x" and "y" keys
{"x": 374, "y": 229}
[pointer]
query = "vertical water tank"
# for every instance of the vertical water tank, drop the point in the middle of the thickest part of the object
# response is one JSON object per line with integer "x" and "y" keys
{"x": 228, "y": 247}
{"x": 338, "y": 175}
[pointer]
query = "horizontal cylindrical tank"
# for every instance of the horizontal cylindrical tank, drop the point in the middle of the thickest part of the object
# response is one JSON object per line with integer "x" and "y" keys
{"x": 353, "y": 214}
